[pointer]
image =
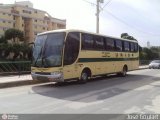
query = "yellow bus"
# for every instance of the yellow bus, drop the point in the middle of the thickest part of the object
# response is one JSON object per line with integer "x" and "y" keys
{"x": 62, "y": 55}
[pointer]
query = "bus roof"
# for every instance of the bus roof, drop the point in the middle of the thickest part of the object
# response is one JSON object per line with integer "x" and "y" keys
{"x": 82, "y": 31}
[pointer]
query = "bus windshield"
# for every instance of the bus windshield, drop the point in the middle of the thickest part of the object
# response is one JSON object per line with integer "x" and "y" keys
{"x": 47, "y": 51}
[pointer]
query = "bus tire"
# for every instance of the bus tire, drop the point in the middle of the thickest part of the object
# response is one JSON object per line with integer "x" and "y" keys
{"x": 124, "y": 71}
{"x": 84, "y": 77}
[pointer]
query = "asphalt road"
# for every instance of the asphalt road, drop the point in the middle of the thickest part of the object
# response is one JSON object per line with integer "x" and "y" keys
{"x": 139, "y": 92}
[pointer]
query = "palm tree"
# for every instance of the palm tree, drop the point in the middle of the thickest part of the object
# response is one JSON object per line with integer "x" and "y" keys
{"x": 13, "y": 34}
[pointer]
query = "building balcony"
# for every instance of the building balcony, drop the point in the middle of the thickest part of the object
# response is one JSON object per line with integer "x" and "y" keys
{"x": 15, "y": 11}
{"x": 46, "y": 18}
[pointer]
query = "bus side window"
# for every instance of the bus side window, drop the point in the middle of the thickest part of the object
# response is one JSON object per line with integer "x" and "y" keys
{"x": 87, "y": 42}
{"x": 99, "y": 43}
{"x": 118, "y": 45}
{"x": 126, "y": 46}
{"x": 135, "y": 47}
{"x": 109, "y": 44}
{"x": 131, "y": 47}
{"x": 71, "y": 48}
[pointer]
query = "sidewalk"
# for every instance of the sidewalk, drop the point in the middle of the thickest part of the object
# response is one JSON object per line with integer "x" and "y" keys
{"x": 143, "y": 67}
{"x": 15, "y": 80}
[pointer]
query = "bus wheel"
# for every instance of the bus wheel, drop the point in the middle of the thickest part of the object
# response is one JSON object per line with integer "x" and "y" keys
{"x": 124, "y": 71}
{"x": 84, "y": 77}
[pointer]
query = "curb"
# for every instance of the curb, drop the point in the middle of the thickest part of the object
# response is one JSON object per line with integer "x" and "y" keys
{"x": 21, "y": 83}
{"x": 142, "y": 68}
{"x": 32, "y": 82}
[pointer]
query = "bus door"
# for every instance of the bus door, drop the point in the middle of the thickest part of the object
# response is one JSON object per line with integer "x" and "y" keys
{"x": 71, "y": 52}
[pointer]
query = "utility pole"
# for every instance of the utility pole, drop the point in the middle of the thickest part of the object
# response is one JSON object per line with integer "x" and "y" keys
{"x": 97, "y": 18}
{"x": 97, "y": 15}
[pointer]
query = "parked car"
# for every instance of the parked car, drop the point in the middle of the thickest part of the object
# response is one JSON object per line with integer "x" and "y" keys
{"x": 155, "y": 64}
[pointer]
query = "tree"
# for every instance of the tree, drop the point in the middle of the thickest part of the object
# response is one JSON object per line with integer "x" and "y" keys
{"x": 149, "y": 54}
{"x": 20, "y": 50}
{"x": 126, "y": 36}
{"x": 16, "y": 48}
{"x": 3, "y": 40}
{"x": 13, "y": 34}
{"x": 3, "y": 43}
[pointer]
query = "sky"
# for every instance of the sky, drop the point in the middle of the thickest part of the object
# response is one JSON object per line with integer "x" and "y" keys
{"x": 138, "y": 18}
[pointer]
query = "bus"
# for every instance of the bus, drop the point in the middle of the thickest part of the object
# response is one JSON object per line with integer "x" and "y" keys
{"x": 68, "y": 54}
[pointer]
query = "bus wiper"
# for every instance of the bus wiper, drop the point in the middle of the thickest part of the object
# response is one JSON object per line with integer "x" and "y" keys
{"x": 40, "y": 53}
{"x": 44, "y": 63}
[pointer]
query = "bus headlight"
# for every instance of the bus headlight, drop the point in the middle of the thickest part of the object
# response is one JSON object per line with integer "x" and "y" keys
{"x": 56, "y": 76}
{"x": 32, "y": 72}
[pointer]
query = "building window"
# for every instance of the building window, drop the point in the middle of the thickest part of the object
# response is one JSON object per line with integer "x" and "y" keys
{"x": 35, "y": 11}
{"x": 43, "y": 28}
{"x": 4, "y": 21}
{"x": 4, "y": 29}
{"x": 9, "y": 22}
{"x": 4, "y": 13}
{"x": 26, "y": 11}
{"x": 35, "y": 33}
{"x": 9, "y": 14}
{"x": 35, "y": 20}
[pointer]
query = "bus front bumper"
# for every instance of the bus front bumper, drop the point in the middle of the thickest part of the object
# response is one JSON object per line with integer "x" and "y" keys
{"x": 53, "y": 77}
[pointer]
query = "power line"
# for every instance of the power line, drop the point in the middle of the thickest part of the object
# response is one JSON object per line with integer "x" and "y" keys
{"x": 89, "y": 2}
{"x": 97, "y": 12}
{"x": 106, "y": 4}
{"x": 120, "y": 20}
{"x": 131, "y": 26}
{"x": 96, "y": 4}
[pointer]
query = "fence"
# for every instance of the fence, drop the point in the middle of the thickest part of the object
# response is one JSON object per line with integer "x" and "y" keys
{"x": 17, "y": 67}
{"x": 20, "y": 67}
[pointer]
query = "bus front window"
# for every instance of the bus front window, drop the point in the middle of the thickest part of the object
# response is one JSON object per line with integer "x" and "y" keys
{"x": 48, "y": 50}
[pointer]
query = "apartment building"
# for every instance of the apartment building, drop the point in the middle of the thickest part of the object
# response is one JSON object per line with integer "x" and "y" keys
{"x": 31, "y": 21}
